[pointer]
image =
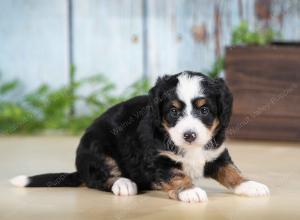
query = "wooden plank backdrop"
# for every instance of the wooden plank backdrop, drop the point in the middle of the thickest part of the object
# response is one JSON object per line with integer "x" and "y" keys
{"x": 33, "y": 39}
{"x": 125, "y": 38}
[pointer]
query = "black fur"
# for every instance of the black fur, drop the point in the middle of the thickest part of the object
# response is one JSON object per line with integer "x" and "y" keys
{"x": 131, "y": 133}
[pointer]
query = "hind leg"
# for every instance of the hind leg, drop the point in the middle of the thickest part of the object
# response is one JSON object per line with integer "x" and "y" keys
{"x": 102, "y": 172}
{"x": 124, "y": 187}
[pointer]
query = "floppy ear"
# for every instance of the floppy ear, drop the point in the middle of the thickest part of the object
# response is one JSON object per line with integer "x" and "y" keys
{"x": 156, "y": 97}
{"x": 224, "y": 108}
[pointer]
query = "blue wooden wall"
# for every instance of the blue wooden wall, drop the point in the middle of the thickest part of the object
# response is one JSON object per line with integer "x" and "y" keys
{"x": 125, "y": 39}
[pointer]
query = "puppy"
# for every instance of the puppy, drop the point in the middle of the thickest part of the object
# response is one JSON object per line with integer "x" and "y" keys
{"x": 165, "y": 140}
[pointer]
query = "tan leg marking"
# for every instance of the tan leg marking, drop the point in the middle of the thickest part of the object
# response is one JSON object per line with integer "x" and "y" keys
{"x": 229, "y": 176}
{"x": 115, "y": 173}
{"x": 178, "y": 182}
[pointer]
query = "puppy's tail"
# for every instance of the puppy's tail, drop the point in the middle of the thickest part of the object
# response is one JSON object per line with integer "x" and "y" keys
{"x": 48, "y": 180}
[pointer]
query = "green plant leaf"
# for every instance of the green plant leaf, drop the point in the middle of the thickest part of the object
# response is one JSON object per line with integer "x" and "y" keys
{"x": 9, "y": 86}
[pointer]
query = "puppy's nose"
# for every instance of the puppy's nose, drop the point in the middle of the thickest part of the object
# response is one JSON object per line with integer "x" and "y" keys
{"x": 189, "y": 136}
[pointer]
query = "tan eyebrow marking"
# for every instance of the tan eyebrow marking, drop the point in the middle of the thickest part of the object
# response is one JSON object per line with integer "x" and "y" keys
{"x": 176, "y": 104}
{"x": 200, "y": 102}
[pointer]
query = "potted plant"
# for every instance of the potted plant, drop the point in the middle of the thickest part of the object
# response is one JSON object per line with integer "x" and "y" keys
{"x": 264, "y": 77}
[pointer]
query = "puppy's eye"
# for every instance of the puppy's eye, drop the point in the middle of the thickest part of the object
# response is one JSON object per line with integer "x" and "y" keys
{"x": 174, "y": 112}
{"x": 204, "y": 110}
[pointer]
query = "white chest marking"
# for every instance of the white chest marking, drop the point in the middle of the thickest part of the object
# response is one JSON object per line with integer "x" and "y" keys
{"x": 194, "y": 160}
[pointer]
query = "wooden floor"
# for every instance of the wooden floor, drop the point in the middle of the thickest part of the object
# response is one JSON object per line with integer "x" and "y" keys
{"x": 275, "y": 164}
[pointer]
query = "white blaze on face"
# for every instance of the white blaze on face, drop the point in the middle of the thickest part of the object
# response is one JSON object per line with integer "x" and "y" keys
{"x": 188, "y": 89}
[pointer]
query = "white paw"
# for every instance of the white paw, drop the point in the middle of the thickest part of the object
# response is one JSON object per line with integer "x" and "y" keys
{"x": 252, "y": 188}
{"x": 195, "y": 194}
{"x": 124, "y": 187}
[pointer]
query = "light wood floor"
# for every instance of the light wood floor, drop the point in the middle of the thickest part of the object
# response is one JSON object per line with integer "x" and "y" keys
{"x": 275, "y": 164}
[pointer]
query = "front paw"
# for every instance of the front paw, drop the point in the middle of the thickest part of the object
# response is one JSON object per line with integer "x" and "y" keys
{"x": 252, "y": 189}
{"x": 195, "y": 194}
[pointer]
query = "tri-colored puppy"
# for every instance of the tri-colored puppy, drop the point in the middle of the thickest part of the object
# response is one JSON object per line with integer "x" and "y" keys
{"x": 164, "y": 140}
